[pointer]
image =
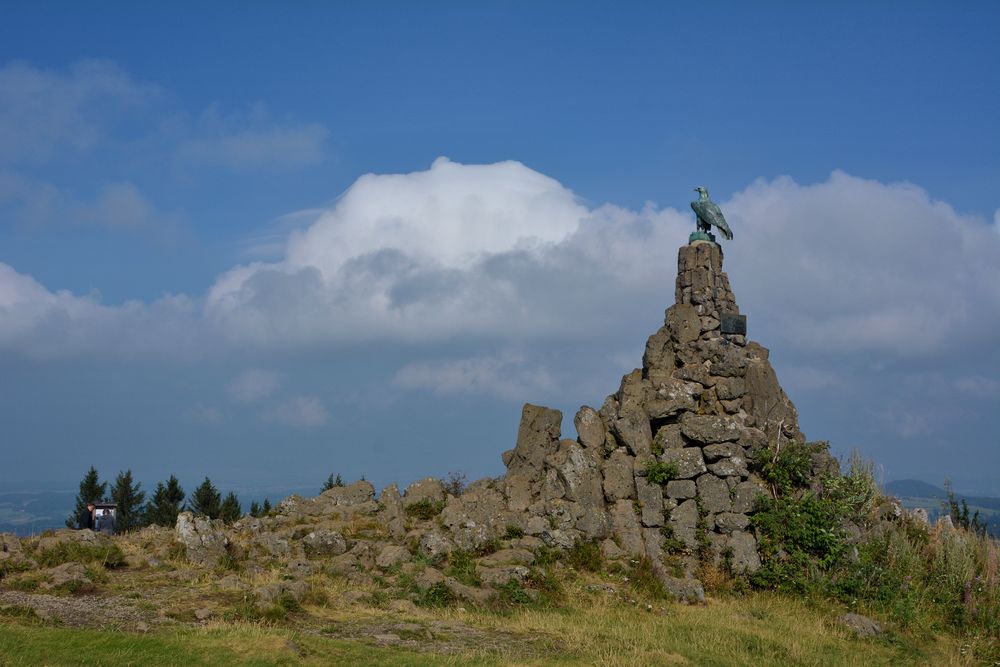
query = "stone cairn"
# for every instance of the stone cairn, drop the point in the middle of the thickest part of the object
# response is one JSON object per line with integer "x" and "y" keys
{"x": 704, "y": 405}
{"x": 706, "y": 402}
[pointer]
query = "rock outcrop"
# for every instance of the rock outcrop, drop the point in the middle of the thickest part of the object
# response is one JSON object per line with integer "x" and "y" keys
{"x": 661, "y": 472}
{"x": 704, "y": 404}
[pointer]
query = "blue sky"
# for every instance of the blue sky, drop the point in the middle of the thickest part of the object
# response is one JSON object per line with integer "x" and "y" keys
{"x": 148, "y": 152}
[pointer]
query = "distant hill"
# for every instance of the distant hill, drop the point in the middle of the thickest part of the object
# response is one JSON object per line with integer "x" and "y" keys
{"x": 914, "y": 488}
{"x": 916, "y": 493}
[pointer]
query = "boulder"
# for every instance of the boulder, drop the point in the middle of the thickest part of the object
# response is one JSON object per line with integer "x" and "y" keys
{"x": 683, "y": 322}
{"x": 435, "y": 545}
{"x": 861, "y": 626}
{"x": 427, "y": 490}
{"x": 324, "y": 543}
{"x": 392, "y": 555}
{"x": 479, "y": 516}
{"x": 498, "y": 576}
{"x": 577, "y": 474}
{"x": 204, "y": 540}
{"x": 632, "y": 430}
{"x": 626, "y": 526}
{"x": 508, "y": 557}
{"x": 392, "y": 514}
{"x": 590, "y": 428}
{"x": 650, "y": 498}
{"x": 714, "y": 494}
{"x": 71, "y": 577}
{"x": 709, "y": 429}
{"x": 689, "y": 461}
{"x": 681, "y": 489}
{"x": 619, "y": 481}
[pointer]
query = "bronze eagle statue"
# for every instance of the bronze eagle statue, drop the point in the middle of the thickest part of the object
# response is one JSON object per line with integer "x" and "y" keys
{"x": 709, "y": 214}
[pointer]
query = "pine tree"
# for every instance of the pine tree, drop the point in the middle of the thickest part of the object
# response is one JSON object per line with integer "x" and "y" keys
{"x": 230, "y": 509}
{"x": 260, "y": 510}
{"x": 332, "y": 482}
{"x": 91, "y": 490}
{"x": 128, "y": 498}
{"x": 207, "y": 500}
{"x": 163, "y": 509}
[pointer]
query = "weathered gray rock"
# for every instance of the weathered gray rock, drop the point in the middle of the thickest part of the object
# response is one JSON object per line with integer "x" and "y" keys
{"x": 627, "y": 528}
{"x": 590, "y": 428}
{"x": 730, "y": 388}
{"x": 358, "y": 493}
{"x": 681, "y": 489}
{"x": 728, "y": 522}
{"x": 204, "y": 540}
{"x": 619, "y": 481}
{"x": 683, "y": 322}
{"x": 632, "y": 430}
{"x": 68, "y": 576}
{"x": 392, "y": 555}
{"x": 512, "y": 556}
{"x": 689, "y": 461}
{"x": 273, "y": 593}
{"x": 266, "y": 544}
{"x": 667, "y": 437}
{"x": 683, "y": 520}
{"x": 323, "y": 542}
{"x": 861, "y": 626}
{"x": 650, "y": 498}
{"x": 745, "y": 496}
{"x": 537, "y": 438}
{"x": 709, "y": 429}
{"x": 393, "y": 514}
{"x": 434, "y": 545}
{"x": 498, "y": 576}
{"x": 721, "y": 450}
{"x": 577, "y": 474}
{"x": 659, "y": 351}
{"x": 671, "y": 396}
{"x": 477, "y": 517}
{"x": 427, "y": 490}
{"x": 729, "y": 467}
{"x": 744, "y": 550}
{"x": 714, "y": 494}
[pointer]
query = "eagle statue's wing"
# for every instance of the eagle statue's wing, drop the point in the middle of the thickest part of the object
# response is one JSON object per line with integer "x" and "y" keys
{"x": 712, "y": 214}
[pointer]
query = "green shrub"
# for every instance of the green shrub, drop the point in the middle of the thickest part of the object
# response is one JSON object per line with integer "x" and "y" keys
{"x": 462, "y": 566}
{"x": 586, "y": 555}
{"x": 644, "y": 580}
{"x": 511, "y": 594}
{"x": 513, "y": 532}
{"x": 425, "y": 509}
{"x": 786, "y": 467}
{"x": 660, "y": 472}
{"x": 438, "y": 595}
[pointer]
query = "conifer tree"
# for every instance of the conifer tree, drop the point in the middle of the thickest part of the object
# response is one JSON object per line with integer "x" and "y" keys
{"x": 332, "y": 482}
{"x": 91, "y": 490}
{"x": 254, "y": 509}
{"x": 230, "y": 509}
{"x": 265, "y": 508}
{"x": 207, "y": 500}
{"x": 127, "y": 496}
{"x": 163, "y": 508}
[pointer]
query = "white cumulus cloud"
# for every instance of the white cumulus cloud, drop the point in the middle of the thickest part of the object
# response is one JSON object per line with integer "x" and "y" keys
{"x": 253, "y": 385}
{"x": 300, "y": 411}
{"x": 508, "y": 376}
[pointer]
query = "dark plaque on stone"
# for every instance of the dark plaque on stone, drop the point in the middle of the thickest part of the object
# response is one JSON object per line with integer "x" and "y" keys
{"x": 733, "y": 324}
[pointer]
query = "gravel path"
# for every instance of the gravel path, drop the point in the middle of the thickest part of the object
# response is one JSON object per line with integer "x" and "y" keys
{"x": 81, "y": 611}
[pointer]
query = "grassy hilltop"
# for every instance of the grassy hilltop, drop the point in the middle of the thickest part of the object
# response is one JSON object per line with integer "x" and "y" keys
{"x": 70, "y": 598}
